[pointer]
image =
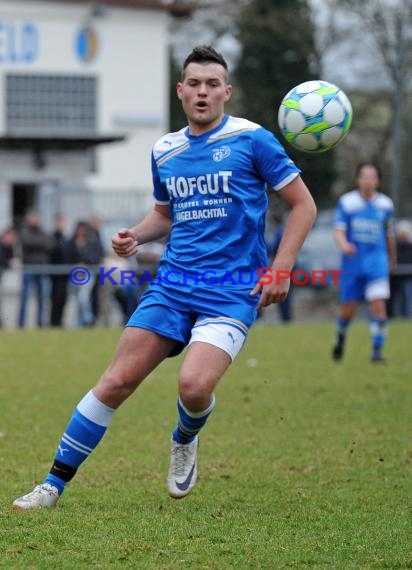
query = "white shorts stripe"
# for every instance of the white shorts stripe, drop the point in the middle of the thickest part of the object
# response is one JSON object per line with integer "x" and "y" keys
{"x": 223, "y": 320}
{"x": 378, "y": 289}
{"x": 222, "y": 333}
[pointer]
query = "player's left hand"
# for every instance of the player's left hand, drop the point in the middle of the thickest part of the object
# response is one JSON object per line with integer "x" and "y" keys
{"x": 272, "y": 292}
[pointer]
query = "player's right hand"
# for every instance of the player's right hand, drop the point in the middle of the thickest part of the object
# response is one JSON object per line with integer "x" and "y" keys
{"x": 349, "y": 248}
{"x": 124, "y": 243}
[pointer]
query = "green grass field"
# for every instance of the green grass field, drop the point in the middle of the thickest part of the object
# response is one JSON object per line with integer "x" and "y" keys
{"x": 304, "y": 463}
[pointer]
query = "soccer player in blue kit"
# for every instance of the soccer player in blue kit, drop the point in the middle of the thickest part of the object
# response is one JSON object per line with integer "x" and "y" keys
{"x": 364, "y": 232}
{"x": 210, "y": 182}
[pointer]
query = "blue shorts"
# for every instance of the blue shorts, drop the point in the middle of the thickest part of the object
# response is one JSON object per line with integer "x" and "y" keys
{"x": 175, "y": 315}
{"x": 356, "y": 287}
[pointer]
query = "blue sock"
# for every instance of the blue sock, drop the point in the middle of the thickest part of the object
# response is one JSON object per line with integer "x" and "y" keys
{"x": 378, "y": 332}
{"x": 84, "y": 431}
{"x": 190, "y": 423}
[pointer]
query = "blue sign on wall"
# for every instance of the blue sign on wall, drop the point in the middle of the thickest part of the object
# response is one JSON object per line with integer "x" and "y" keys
{"x": 19, "y": 43}
{"x": 86, "y": 44}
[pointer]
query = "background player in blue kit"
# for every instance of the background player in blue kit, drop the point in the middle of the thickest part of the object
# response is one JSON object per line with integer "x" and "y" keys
{"x": 365, "y": 234}
{"x": 210, "y": 181}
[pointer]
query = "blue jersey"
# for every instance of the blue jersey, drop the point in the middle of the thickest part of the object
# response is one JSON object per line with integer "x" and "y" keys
{"x": 367, "y": 224}
{"x": 216, "y": 185}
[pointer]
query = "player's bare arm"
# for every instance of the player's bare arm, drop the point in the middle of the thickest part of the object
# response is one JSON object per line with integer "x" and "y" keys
{"x": 391, "y": 245}
{"x": 300, "y": 221}
{"x": 346, "y": 247}
{"x": 155, "y": 225}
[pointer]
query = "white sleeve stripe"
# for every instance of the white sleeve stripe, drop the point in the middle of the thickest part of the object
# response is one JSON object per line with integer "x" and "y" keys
{"x": 286, "y": 181}
{"x": 161, "y": 203}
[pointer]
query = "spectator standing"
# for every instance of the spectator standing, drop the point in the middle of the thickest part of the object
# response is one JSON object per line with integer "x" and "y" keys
{"x": 401, "y": 282}
{"x": 122, "y": 286}
{"x": 59, "y": 281}
{"x": 82, "y": 248}
{"x": 95, "y": 223}
{"x": 8, "y": 258}
{"x": 36, "y": 247}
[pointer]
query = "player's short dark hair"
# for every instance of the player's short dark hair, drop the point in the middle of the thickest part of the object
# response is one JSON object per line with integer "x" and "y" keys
{"x": 204, "y": 54}
{"x": 361, "y": 165}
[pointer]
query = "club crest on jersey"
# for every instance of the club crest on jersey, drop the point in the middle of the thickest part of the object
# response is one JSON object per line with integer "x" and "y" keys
{"x": 221, "y": 153}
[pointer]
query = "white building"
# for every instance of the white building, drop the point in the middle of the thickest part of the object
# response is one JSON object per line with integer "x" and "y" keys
{"x": 83, "y": 97}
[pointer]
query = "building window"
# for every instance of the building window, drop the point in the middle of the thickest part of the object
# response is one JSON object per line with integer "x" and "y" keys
{"x": 50, "y": 104}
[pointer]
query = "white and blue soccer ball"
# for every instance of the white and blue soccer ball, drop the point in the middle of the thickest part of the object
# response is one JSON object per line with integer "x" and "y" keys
{"x": 315, "y": 116}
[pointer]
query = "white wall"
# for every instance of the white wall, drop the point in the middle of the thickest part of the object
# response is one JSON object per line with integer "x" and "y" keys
{"x": 131, "y": 65}
{"x": 134, "y": 94}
